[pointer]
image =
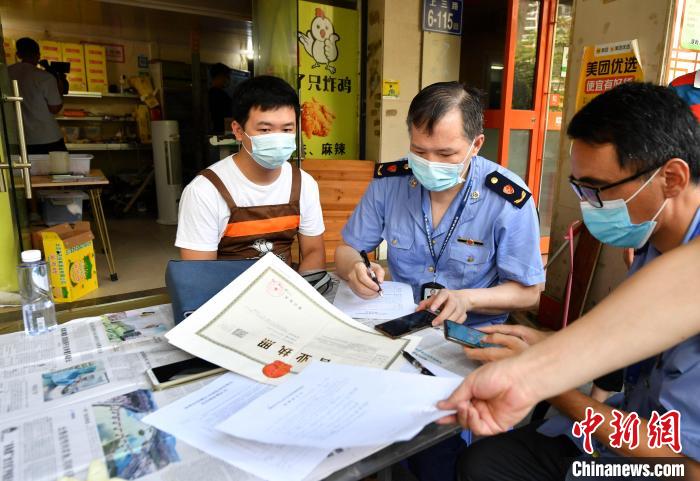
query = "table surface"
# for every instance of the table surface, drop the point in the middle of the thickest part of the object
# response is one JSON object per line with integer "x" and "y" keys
{"x": 94, "y": 178}
{"x": 383, "y": 459}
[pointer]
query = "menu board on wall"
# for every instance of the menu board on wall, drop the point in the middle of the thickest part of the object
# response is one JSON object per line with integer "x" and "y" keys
{"x": 606, "y": 66}
{"x": 329, "y": 81}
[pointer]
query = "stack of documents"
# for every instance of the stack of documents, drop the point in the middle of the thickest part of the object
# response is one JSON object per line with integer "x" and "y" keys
{"x": 310, "y": 426}
{"x": 336, "y": 400}
{"x": 269, "y": 324}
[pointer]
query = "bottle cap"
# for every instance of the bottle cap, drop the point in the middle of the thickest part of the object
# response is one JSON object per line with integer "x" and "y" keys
{"x": 31, "y": 256}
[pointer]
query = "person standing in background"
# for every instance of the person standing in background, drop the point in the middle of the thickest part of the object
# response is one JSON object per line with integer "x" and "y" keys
{"x": 42, "y": 99}
{"x": 220, "y": 104}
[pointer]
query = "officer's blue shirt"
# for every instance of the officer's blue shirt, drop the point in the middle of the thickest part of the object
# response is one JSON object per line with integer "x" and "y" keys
{"x": 392, "y": 208}
{"x": 662, "y": 383}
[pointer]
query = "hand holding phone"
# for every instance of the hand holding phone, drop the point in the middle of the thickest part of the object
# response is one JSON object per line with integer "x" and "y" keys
{"x": 466, "y": 336}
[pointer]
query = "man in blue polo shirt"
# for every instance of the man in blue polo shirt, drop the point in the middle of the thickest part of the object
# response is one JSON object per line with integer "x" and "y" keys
{"x": 452, "y": 220}
{"x": 635, "y": 164}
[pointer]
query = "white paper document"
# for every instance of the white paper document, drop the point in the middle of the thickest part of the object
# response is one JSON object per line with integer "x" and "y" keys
{"x": 335, "y": 406}
{"x": 397, "y": 301}
{"x": 269, "y": 322}
{"x": 192, "y": 420}
{"x": 435, "y": 349}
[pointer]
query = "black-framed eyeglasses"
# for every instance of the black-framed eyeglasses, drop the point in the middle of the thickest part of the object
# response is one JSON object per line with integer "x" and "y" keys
{"x": 592, "y": 194}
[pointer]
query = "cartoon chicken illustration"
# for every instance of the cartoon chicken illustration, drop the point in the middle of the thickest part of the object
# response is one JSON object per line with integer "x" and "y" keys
{"x": 320, "y": 41}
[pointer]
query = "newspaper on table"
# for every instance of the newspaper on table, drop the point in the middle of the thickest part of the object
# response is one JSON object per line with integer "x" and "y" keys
{"x": 83, "y": 339}
{"x": 79, "y": 393}
{"x": 82, "y": 358}
{"x": 64, "y": 440}
{"x": 42, "y": 389}
{"x": 270, "y": 322}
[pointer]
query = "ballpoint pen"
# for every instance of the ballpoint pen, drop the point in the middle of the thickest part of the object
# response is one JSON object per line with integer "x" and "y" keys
{"x": 416, "y": 363}
{"x": 371, "y": 273}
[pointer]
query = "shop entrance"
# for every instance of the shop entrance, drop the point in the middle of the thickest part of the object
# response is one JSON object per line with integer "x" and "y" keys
{"x": 517, "y": 52}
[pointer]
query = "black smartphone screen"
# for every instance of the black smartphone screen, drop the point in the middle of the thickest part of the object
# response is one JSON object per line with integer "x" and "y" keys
{"x": 187, "y": 367}
{"x": 406, "y": 324}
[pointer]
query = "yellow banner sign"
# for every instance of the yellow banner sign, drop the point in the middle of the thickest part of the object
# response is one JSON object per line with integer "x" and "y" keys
{"x": 330, "y": 81}
{"x": 606, "y": 66}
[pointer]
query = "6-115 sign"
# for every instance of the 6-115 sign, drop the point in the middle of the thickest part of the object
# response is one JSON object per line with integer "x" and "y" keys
{"x": 444, "y": 16}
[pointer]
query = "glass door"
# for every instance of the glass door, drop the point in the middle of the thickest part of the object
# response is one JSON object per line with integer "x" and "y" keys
{"x": 553, "y": 105}
{"x": 15, "y": 185}
{"x": 507, "y": 50}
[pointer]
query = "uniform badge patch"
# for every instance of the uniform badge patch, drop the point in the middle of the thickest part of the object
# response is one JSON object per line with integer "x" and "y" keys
{"x": 392, "y": 169}
{"x": 507, "y": 189}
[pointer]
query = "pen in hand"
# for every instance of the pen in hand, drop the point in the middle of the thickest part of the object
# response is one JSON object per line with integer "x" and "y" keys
{"x": 371, "y": 273}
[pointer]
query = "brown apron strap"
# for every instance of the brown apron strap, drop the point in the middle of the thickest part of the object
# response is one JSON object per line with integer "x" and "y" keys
{"x": 219, "y": 184}
{"x": 295, "y": 193}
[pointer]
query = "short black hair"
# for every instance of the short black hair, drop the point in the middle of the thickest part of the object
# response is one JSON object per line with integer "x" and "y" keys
{"x": 436, "y": 100}
{"x": 219, "y": 69}
{"x": 265, "y": 92}
{"x": 27, "y": 47}
{"x": 647, "y": 124}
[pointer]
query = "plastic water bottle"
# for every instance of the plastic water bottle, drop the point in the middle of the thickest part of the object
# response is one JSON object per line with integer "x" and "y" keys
{"x": 37, "y": 302}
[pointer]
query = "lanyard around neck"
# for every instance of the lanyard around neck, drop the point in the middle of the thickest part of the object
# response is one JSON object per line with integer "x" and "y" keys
{"x": 450, "y": 231}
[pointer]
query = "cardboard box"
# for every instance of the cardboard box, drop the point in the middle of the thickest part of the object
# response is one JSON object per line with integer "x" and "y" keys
{"x": 71, "y": 258}
{"x": 50, "y": 50}
{"x": 96, "y": 68}
{"x": 8, "y": 45}
{"x": 73, "y": 54}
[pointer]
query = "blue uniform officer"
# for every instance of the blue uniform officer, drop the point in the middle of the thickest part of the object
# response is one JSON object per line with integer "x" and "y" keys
{"x": 456, "y": 224}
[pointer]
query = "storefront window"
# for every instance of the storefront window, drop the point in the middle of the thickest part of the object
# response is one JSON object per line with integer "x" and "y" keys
{"x": 557, "y": 83}
{"x": 526, "y": 54}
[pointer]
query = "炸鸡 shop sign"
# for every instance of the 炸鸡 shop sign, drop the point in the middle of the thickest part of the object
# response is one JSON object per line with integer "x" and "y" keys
{"x": 329, "y": 80}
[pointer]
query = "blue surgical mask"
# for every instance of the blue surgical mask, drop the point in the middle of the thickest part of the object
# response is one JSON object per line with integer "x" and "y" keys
{"x": 437, "y": 176}
{"x": 611, "y": 224}
{"x": 272, "y": 150}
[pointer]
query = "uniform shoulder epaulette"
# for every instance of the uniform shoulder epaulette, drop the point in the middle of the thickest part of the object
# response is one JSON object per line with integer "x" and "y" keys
{"x": 392, "y": 169}
{"x": 507, "y": 189}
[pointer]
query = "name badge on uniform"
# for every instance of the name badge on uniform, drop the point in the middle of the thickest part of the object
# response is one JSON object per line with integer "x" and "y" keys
{"x": 470, "y": 241}
{"x": 429, "y": 289}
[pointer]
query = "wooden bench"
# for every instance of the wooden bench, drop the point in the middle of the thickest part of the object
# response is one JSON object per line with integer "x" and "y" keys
{"x": 341, "y": 184}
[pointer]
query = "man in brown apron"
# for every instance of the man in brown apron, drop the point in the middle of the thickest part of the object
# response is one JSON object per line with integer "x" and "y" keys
{"x": 254, "y": 231}
{"x": 255, "y": 202}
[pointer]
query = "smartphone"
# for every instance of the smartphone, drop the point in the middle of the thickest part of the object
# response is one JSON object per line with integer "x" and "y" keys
{"x": 406, "y": 324}
{"x": 181, "y": 372}
{"x": 465, "y": 336}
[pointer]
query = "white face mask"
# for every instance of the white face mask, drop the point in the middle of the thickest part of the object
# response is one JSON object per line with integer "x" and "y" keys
{"x": 611, "y": 223}
{"x": 437, "y": 176}
{"x": 271, "y": 150}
